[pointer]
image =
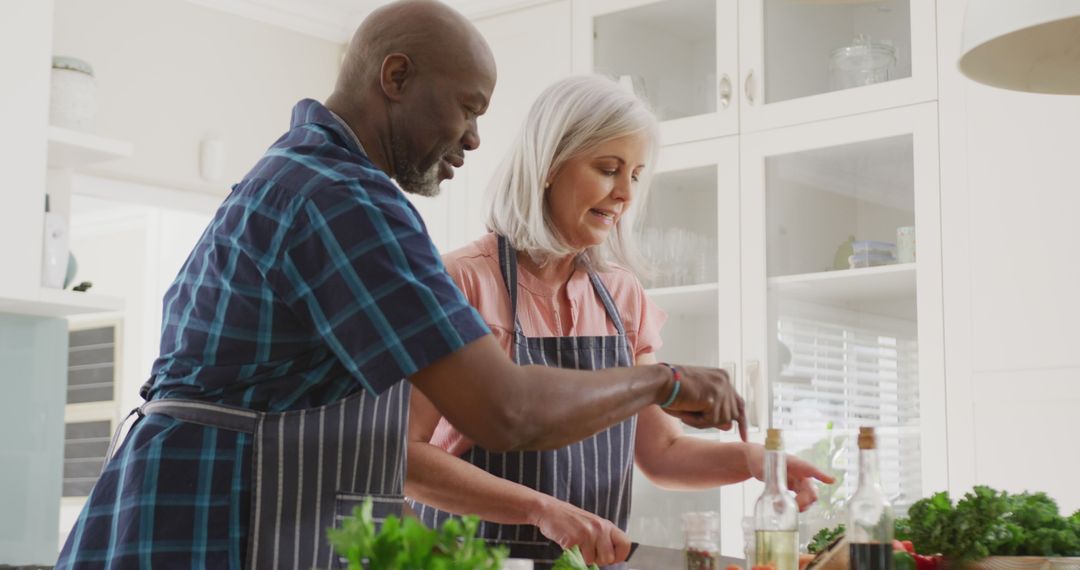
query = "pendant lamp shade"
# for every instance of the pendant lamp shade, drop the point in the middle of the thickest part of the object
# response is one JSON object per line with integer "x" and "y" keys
{"x": 1024, "y": 45}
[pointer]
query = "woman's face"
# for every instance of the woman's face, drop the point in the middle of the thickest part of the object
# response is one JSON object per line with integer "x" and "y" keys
{"x": 591, "y": 191}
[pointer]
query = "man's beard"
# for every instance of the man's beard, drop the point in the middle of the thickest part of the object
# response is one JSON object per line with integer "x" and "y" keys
{"x": 408, "y": 174}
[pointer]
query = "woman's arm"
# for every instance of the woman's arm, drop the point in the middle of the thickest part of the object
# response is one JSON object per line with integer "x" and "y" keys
{"x": 674, "y": 460}
{"x": 436, "y": 478}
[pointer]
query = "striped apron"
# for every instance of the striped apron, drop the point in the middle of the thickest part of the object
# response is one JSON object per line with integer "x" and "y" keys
{"x": 593, "y": 474}
{"x": 310, "y": 468}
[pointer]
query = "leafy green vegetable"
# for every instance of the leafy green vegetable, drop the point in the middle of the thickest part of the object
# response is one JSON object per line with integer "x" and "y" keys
{"x": 409, "y": 545}
{"x": 572, "y": 559}
{"x": 824, "y": 538}
{"x": 903, "y": 561}
{"x": 986, "y": 522}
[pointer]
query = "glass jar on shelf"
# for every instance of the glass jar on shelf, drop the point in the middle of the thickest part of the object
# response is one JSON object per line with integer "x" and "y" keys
{"x": 864, "y": 62}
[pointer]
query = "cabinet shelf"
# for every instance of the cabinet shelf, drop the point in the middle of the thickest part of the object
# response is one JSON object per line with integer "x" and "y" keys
{"x": 57, "y": 303}
{"x": 74, "y": 149}
{"x": 850, "y": 286}
{"x": 686, "y": 299}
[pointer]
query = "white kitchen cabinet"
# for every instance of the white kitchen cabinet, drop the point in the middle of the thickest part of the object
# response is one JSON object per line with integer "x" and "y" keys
{"x": 691, "y": 234}
{"x": 828, "y": 348}
{"x": 807, "y": 60}
{"x": 680, "y": 55}
{"x": 835, "y": 120}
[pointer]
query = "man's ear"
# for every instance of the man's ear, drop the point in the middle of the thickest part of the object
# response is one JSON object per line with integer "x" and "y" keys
{"x": 397, "y": 70}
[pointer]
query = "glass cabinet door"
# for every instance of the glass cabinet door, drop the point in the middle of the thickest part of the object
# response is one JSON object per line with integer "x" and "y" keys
{"x": 690, "y": 234}
{"x": 680, "y": 55}
{"x": 804, "y": 60}
{"x": 835, "y": 290}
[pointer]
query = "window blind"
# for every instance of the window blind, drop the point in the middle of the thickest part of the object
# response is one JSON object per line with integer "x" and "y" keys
{"x": 91, "y": 406}
{"x": 842, "y": 376}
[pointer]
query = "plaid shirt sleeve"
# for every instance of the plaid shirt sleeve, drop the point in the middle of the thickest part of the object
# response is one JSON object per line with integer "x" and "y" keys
{"x": 358, "y": 266}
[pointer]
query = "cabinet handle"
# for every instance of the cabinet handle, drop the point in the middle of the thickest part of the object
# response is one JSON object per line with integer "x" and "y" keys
{"x": 750, "y": 87}
{"x": 724, "y": 89}
{"x": 729, "y": 367}
{"x": 753, "y": 394}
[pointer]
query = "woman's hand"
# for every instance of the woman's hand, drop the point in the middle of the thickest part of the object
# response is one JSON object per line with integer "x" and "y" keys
{"x": 601, "y": 542}
{"x": 800, "y": 474}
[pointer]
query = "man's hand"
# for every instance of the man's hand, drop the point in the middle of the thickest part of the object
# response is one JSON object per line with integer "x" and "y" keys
{"x": 708, "y": 399}
{"x": 800, "y": 474}
{"x": 601, "y": 542}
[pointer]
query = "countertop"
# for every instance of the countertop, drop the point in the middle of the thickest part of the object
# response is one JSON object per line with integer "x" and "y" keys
{"x": 657, "y": 558}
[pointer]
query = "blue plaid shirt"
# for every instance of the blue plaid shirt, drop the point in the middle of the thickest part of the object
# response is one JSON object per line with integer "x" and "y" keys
{"x": 315, "y": 278}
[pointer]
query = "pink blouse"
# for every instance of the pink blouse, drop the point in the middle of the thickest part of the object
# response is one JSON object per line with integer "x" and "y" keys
{"x": 475, "y": 269}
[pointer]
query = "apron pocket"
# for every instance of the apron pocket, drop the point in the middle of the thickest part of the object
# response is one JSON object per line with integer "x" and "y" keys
{"x": 382, "y": 506}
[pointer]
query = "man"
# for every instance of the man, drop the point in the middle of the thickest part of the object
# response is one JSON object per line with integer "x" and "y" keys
{"x": 277, "y": 404}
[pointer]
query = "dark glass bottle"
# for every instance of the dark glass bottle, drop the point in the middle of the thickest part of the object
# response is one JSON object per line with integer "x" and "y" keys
{"x": 870, "y": 517}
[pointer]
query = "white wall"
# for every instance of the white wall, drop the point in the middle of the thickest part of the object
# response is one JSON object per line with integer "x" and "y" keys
{"x": 532, "y": 51}
{"x": 24, "y": 59}
{"x": 1010, "y": 197}
{"x": 170, "y": 73}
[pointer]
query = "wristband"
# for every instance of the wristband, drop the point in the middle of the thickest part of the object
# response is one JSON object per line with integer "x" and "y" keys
{"x": 676, "y": 376}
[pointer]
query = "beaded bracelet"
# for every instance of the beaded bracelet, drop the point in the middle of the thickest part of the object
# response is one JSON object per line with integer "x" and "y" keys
{"x": 678, "y": 384}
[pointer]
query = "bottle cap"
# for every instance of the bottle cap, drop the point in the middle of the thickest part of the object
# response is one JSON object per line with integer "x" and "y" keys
{"x": 773, "y": 441}
{"x": 867, "y": 438}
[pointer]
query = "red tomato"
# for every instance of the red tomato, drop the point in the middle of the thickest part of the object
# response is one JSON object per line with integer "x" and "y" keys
{"x": 898, "y": 546}
{"x": 927, "y": 562}
{"x": 733, "y": 567}
{"x": 908, "y": 546}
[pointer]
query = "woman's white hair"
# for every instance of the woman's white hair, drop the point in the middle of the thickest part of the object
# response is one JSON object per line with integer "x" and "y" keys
{"x": 571, "y": 117}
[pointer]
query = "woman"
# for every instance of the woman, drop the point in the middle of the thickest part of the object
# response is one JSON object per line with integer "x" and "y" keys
{"x": 553, "y": 281}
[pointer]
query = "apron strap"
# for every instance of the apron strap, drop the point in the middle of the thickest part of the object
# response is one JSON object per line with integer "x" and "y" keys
{"x": 609, "y": 303}
{"x": 204, "y": 413}
{"x": 508, "y": 267}
{"x": 116, "y": 438}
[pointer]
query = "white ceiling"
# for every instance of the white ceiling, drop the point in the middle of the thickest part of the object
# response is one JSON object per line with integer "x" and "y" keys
{"x": 335, "y": 20}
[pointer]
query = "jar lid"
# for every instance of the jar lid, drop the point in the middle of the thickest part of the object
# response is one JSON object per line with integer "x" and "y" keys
{"x": 72, "y": 63}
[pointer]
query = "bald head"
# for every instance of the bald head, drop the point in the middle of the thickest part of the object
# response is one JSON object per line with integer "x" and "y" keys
{"x": 415, "y": 78}
{"x": 433, "y": 35}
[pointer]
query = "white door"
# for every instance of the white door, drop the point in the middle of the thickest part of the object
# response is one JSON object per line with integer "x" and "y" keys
{"x": 808, "y": 60}
{"x": 680, "y": 55}
{"x": 842, "y": 321}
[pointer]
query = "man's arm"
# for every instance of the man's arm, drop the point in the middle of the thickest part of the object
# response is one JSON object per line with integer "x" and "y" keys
{"x": 503, "y": 406}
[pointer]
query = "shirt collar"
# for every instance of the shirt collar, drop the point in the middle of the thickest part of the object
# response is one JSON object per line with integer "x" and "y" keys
{"x": 311, "y": 111}
{"x": 348, "y": 130}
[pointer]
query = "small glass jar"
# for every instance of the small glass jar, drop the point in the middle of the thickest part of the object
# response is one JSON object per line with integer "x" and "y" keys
{"x": 864, "y": 62}
{"x": 701, "y": 533}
